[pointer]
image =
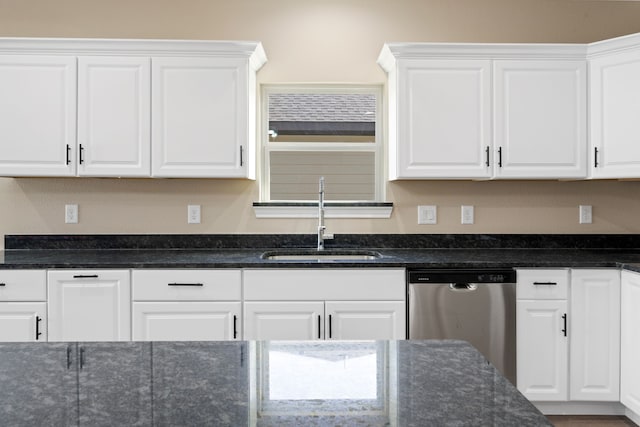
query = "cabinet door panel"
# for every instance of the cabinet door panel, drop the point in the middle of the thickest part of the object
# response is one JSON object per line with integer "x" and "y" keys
{"x": 23, "y": 321}
{"x": 541, "y": 350}
{"x": 365, "y": 320}
{"x": 114, "y": 384}
{"x": 199, "y": 108}
{"x": 37, "y": 388}
{"x": 89, "y": 305}
{"x": 114, "y": 116}
{"x": 444, "y": 111}
{"x": 283, "y": 320}
{"x": 38, "y": 110}
{"x": 186, "y": 321}
{"x": 540, "y": 119}
{"x": 630, "y": 342}
{"x": 595, "y": 335}
{"x": 615, "y": 107}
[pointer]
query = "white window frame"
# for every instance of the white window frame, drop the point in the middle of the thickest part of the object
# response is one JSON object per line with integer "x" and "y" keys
{"x": 267, "y": 208}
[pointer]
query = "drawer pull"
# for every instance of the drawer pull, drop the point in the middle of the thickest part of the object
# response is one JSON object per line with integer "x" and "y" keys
{"x": 235, "y": 326}
{"x": 185, "y": 284}
{"x": 38, "y": 333}
{"x": 3, "y": 284}
{"x": 545, "y": 283}
{"x": 564, "y": 330}
{"x": 85, "y": 276}
{"x": 319, "y": 330}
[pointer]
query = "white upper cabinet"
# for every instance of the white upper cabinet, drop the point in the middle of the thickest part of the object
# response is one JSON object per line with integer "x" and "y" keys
{"x": 114, "y": 116}
{"x": 195, "y": 118}
{"x": 476, "y": 111}
{"x": 540, "y": 113}
{"x": 614, "y": 70}
{"x": 200, "y": 121}
{"x": 38, "y": 111}
{"x": 443, "y": 113}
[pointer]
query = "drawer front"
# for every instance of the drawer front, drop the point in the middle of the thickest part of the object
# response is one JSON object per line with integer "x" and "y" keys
{"x": 23, "y": 285}
{"x": 186, "y": 285}
{"x": 542, "y": 284}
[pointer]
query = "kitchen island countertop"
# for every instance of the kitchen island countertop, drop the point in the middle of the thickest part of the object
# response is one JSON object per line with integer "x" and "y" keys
{"x": 283, "y": 383}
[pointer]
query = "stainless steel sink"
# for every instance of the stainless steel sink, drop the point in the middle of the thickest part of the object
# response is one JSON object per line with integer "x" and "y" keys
{"x": 320, "y": 256}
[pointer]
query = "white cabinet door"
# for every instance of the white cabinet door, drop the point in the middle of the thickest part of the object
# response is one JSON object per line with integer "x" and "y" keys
{"x": 290, "y": 320}
{"x": 365, "y": 320}
{"x": 615, "y": 108}
{"x": 114, "y": 116}
{"x": 186, "y": 321}
{"x": 199, "y": 117}
{"x": 89, "y": 305}
{"x": 595, "y": 335}
{"x": 540, "y": 119}
{"x": 38, "y": 110}
{"x": 630, "y": 341}
{"x": 23, "y": 321}
{"x": 443, "y": 119}
{"x": 542, "y": 349}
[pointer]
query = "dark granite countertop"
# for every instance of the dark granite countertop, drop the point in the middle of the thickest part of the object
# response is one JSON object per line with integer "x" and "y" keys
{"x": 315, "y": 383}
{"x": 238, "y": 251}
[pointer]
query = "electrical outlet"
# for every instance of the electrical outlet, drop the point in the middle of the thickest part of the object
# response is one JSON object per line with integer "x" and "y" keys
{"x": 71, "y": 214}
{"x": 193, "y": 214}
{"x": 467, "y": 214}
{"x": 586, "y": 214}
{"x": 427, "y": 214}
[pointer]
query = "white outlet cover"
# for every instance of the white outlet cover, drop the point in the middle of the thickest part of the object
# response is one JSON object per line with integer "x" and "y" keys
{"x": 193, "y": 214}
{"x": 71, "y": 214}
{"x": 586, "y": 214}
{"x": 466, "y": 214}
{"x": 427, "y": 214}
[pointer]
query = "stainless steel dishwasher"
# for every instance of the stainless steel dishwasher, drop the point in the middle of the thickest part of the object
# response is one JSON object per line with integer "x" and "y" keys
{"x": 478, "y": 306}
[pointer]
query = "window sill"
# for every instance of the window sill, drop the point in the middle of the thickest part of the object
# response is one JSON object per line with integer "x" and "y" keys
{"x": 332, "y": 209}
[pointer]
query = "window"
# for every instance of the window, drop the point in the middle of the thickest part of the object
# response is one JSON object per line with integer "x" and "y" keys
{"x": 333, "y": 132}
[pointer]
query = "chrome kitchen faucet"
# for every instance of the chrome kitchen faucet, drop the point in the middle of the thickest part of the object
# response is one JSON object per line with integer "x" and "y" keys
{"x": 322, "y": 234}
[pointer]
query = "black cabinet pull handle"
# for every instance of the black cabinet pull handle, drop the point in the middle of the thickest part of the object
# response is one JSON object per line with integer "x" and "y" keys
{"x": 330, "y": 333}
{"x": 487, "y": 153}
{"x": 241, "y": 152}
{"x": 564, "y": 330}
{"x": 500, "y": 157}
{"x": 68, "y": 154}
{"x": 68, "y": 356}
{"x": 85, "y": 276}
{"x": 3, "y": 284}
{"x": 319, "y": 331}
{"x": 81, "y": 153}
{"x": 185, "y": 284}
{"x": 81, "y": 357}
{"x": 235, "y": 326}
{"x": 545, "y": 283}
{"x": 38, "y": 333}
{"x": 595, "y": 157}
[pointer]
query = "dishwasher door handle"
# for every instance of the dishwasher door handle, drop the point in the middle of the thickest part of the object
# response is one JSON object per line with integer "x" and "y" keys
{"x": 463, "y": 287}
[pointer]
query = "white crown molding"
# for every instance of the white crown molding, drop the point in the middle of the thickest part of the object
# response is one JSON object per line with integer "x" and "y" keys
{"x": 72, "y": 46}
{"x": 618, "y": 44}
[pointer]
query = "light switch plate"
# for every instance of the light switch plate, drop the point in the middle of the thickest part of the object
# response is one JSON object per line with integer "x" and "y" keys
{"x": 427, "y": 214}
{"x": 467, "y": 214}
{"x": 193, "y": 214}
{"x": 586, "y": 216}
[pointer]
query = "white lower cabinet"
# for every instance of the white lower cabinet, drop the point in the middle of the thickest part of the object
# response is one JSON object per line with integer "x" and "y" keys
{"x": 568, "y": 334}
{"x": 311, "y": 304}
{"x": 186, "y": 305}
{"x": 89, "y": 305}
{"x": 23, "y": 306}
{"x": 630, "y": 342}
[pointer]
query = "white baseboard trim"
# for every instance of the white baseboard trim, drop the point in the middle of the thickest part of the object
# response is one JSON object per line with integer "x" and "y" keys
{"x": 632, "y": 416}
{"x": 581, "y": 408}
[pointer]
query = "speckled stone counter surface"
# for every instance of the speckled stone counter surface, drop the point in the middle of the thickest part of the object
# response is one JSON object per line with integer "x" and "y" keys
{"x": 381, "y": 383}
{"x": 246, "y": 251}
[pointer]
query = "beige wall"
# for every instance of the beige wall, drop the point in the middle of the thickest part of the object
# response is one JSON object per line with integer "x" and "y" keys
{"x": 318, "y": 41}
